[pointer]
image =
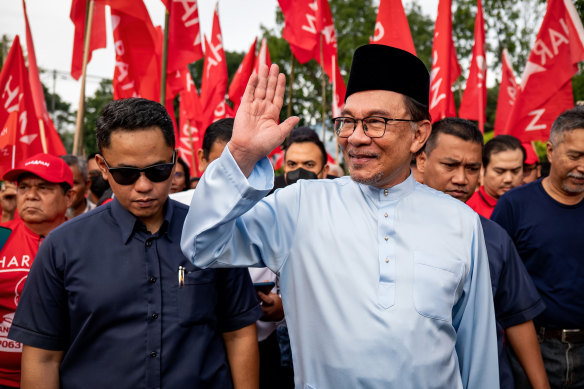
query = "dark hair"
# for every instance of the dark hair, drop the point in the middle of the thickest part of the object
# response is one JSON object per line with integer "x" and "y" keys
{"x": 501, "y": 143}
{"x": 186, "y": 169}
{"x": 460, "y": 128}
{"x": 91, "y": 156}
{"x": 132, "y": 114}
{"x": 569, "y": 120}
{"x": 221, "y": 130}
{"x": 194, "y": 179}
{"x": 75, "y": 160}
{"x": 306, "y": 134}
{"x": 417, "y": 111}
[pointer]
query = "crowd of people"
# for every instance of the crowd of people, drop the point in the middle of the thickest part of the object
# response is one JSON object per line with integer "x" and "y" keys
{"x": 120, "y": 270}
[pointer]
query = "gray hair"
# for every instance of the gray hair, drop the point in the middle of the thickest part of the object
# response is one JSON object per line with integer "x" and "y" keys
{"x": 75, "y": 160}
{"x": 569, "y": 120}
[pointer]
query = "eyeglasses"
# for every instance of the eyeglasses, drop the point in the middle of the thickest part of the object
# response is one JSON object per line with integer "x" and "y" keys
{"x": 373, "y": 126}
{"x": 128, "y": 175}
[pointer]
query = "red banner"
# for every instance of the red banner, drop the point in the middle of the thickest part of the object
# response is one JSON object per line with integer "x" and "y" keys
{"x": 263, "y": 57}
{"x": 553, "y": 61}
{"x": 392, "y": 28}
{"x": 191, "y": 137}
{"x": 241, "y": 76}
{"x": 184, "y": 35}
{"x": 508, "y": 90}
{"x": 474, "y": 101}
{"x": 445, "y": 68}
{"x": 98, "y": 38}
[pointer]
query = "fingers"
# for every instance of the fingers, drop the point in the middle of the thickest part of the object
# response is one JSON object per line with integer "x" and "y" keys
{"x": 273, "y": 80}
{"x": 279, "y": 92}
{"x": 260, "y": 91}
{"x": 250, "y": 88}
{"x": 287, "y": 125}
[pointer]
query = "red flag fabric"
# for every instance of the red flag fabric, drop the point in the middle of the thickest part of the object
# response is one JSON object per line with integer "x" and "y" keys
{"x": 15, "y": 96}
{"x": 137, "y": 69}
{"x": 98, "y": 38}
{"x": 302, "y": 27}
{"x": 474, "y": 100}
{"x": 8, "y": 143}
{"x": 392, "y": 28}
{"x": 508, "y": 90}
{"x": 191, "y": 138}
{"x": 184, "y": 35}
{"x": 50, "y": 138}
{"x": 241, "y": 76}
{"x": 445, "y": 68}
{"x": 263, "y": 57}
{"x": 553, "y": 60}
{"x": 339, "y": 90}
{"x": 214, "y": 80}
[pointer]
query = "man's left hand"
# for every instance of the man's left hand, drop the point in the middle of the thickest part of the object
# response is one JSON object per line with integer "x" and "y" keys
{"x": 272, "y": 306}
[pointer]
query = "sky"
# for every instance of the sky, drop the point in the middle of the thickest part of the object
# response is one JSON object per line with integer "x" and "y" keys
{"x": 52, "y": 32}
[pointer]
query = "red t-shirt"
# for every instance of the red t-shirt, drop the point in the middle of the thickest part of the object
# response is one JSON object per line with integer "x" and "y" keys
{"x": 15, "y": 260}
{"x": 482, "y": 203}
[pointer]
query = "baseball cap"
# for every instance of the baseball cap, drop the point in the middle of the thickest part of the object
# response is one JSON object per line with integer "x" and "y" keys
{"x": 46, "y": 166}
{"x": 530, "y": 155}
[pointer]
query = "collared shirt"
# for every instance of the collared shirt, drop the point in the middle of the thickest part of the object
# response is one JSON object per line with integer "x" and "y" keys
{"x": 105, "y": 290}
{"x": 482, "y": 203}
{"x": 549, "y": 238}
{"x": 516, "y": 299}
{"x": 381, "y": 287}
{"x": 15, "y": 260}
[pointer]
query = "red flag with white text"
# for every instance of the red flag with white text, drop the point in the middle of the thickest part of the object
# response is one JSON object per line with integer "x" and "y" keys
{"x": 137, "y": 69}
{"x": 51, "y": 140}
{"x": 263, "y": 57}
{"x": 508, "y": 90}
{"x": 191, "y": 137}
{"x": 16, "y": 96}
{"x": 241, "y": 77}
{"x": 392, "y": 28}
{"x": 98, "y": 38}
{"x": 445, "y": 68}
{"x": 184, "y": 35}
{"x": 474, "y": 100}
{"x": 558, "y": 48}
{"x": 303, "y": 24}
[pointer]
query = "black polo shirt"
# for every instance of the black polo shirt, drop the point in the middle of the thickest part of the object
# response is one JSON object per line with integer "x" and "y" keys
{"x": 105, "y": 290}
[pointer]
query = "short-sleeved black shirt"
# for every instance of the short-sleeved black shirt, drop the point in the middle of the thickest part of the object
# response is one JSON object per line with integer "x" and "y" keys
{"x": 105, "y": 290}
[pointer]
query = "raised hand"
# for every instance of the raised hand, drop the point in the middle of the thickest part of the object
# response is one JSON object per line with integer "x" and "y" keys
{"x": 256, "y": 131}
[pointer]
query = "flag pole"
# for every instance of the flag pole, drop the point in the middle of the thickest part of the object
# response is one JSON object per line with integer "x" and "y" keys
{"x": 78, "y": 139}
{"x": 290, "y": 88}
{"x": 164, "y": 58}
{"x": 43, "y": 136}
{"x": 323, "y": 93}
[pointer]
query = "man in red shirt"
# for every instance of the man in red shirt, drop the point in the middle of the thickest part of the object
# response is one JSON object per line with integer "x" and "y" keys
{"x": 503, "y": 158}
{"x": 43, "y": 195}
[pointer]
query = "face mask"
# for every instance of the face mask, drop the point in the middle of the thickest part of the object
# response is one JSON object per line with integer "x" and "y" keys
{"x": 98, "y": 184}
{"x": 299, "y": 174}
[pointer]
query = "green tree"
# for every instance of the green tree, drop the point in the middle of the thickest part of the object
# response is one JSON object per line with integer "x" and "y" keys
{"x": 62, "y": 115}
{"x": 93, "y": 107}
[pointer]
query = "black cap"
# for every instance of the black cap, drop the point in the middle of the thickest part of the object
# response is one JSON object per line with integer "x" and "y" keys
{"x": 388, "y": 68}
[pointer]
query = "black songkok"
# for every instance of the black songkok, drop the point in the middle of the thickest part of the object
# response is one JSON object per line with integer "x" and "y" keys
{"x": 380, "y": 67}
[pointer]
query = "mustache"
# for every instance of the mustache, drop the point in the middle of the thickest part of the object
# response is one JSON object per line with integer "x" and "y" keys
{"x": 576, "y": 175}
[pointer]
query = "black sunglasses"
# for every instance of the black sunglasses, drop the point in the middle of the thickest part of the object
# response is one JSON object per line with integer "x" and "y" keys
{"x": 128, "y": 175}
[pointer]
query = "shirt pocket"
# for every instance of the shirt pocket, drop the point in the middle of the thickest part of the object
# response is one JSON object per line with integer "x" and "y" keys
{"x": 436, "y": 282}
{"x": 197, "y": 298}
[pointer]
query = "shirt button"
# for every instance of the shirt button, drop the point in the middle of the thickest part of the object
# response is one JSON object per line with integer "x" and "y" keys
{"x": 148, "y": 243}
{"x": 155, "y": 316}
{"x": 385, "y": 192}
{"x": 386, "y": 238}
{"x": 386, "y": 215}
{"x": 152, "y": 280}
{"x": 387, "y": 260}
{"x": 153, "y": 354}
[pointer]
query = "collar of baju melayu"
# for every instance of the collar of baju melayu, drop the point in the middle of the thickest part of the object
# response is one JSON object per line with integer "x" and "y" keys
{"x": 395, "y": 193}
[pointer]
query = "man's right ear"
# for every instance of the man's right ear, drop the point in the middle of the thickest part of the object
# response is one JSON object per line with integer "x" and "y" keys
{"x": 202, "y": 161}
{"x": 421, "y": 161}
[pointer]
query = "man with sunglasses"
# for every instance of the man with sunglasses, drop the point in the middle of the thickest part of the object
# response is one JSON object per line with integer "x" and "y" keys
{"x": 385, "y": 282}
{"x": 112, "y": 302}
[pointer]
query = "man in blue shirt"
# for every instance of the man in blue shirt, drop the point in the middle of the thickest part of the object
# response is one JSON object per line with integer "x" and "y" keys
{"x": 385, "y": 282}
{"x": 451, "y": 162}
{"x": 111, "y": 301}
{"x": 545, "y": 219}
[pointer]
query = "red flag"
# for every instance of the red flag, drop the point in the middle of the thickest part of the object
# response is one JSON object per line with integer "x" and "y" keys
{"x": 508, "y": 90}
{"x": 339, "y": 90}
{"x": 50, "y": 138}
{"x": 191, "y": 138}
{"x": 263, "y": 57}
{"x": 137, "y": 71}
{"x": 184, "y": 35}
{"x": 392, "y": 28}
{"x": 98, "y": 39}
{"x": 558, "y": 48}
{"x": 241, "y": 76}
{"x": 214, "y": 80}
{"x": 445, "y": 68}
{"x": 474, "y": 100}
{"x": 302, "y": 27}
{"x": 8, "y": 143}
{"x": 15, "y": 96}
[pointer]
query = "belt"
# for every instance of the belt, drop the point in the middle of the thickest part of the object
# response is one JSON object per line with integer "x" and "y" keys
{"x": 566, "y": 336}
